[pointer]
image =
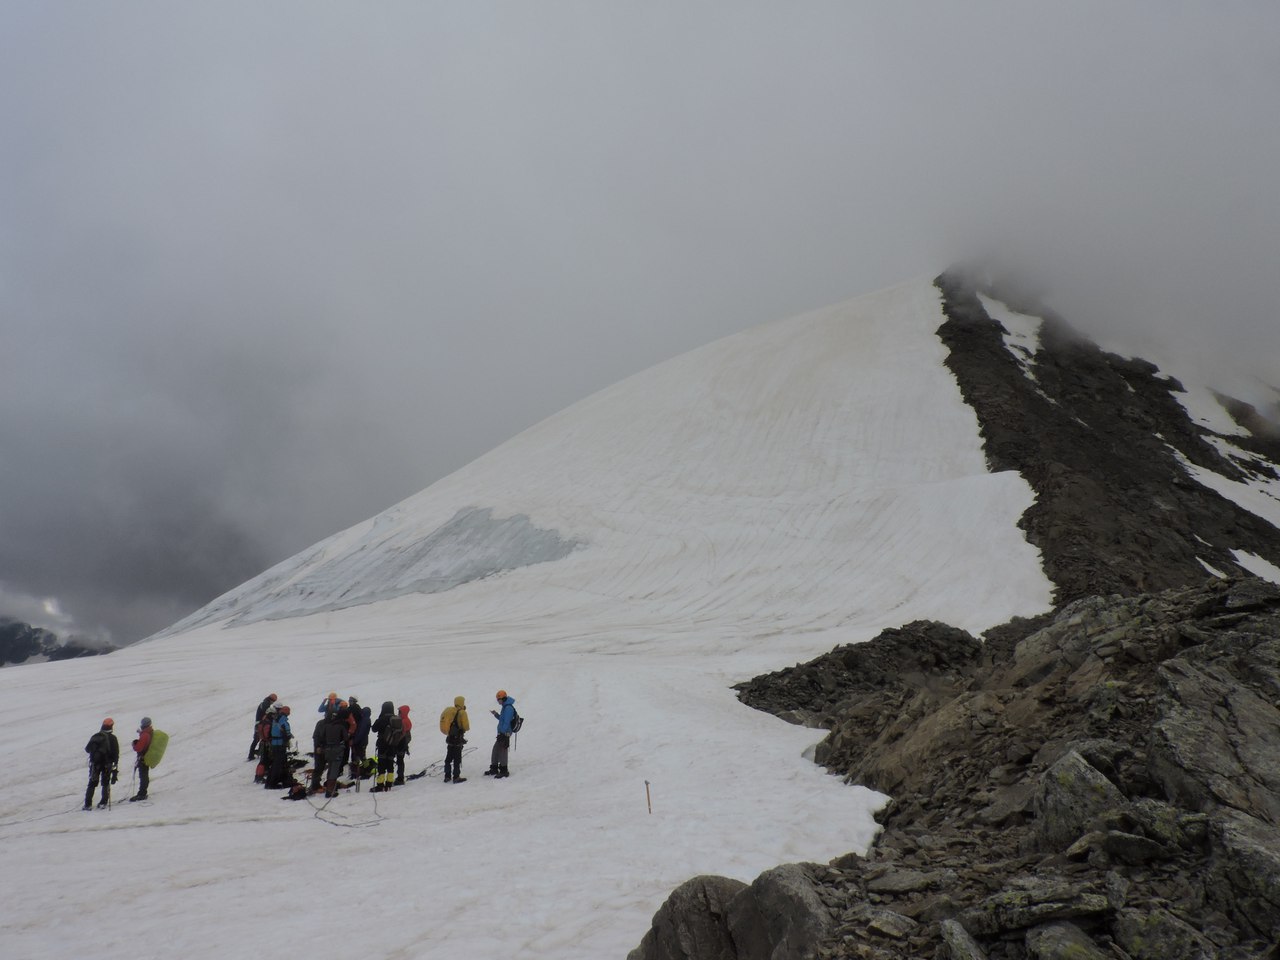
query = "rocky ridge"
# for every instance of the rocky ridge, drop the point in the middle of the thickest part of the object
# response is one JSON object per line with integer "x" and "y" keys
{"x": 22, "y": 643}
{"x": 1101, "y": 781}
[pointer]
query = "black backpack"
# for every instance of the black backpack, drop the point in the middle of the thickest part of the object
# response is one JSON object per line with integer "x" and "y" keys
{"x": 98, "y": 750}
{"x": 517, "y": 721}
{"x": 395, "y": 732}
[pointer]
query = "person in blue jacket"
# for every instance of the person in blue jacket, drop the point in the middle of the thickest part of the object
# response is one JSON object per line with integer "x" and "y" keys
{"x": 281, "y": 734}
{"x": 504, "y": 715}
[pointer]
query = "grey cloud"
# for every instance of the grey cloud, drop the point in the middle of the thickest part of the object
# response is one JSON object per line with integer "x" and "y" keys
{"x": 265, "y": 270}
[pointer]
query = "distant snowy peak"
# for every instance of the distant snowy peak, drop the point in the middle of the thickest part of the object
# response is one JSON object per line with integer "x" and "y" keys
{"x": 771, "y": 463}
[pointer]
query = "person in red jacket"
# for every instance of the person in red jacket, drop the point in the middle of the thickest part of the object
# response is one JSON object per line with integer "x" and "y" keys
{"x": 402, "y": 749}
{"x": 140, "y": 747}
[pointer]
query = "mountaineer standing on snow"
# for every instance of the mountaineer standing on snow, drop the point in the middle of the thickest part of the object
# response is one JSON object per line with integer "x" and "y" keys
{"x": 337, "y": 732}
{"x": 454, "y": 725}
{"x": 359, "y": 739}
{"x": 281, "y": 734}
{"x": 104, "y": 760}
{"x": 384, "y": 746}
{"x": 402, "y": 748}
{"x": 318, "y": 755}
{"x": 267, "y": 702}
{"x": 498, "y": 759}
{"x": 140, "y": 748}
{"x": 264, "y": 740}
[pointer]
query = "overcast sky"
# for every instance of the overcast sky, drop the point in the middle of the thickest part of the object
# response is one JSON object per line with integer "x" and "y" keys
{"x": 268, "y": 268}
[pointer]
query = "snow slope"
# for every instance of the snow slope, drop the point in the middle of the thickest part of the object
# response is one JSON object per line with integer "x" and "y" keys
{"x": 615, "y": 568}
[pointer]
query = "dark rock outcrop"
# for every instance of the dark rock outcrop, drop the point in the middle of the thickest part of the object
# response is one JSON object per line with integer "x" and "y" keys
{"x": 21, "y": 642}
{"x": 1101, "y": 439}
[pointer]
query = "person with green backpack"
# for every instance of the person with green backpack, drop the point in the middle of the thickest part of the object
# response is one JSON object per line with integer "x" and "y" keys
{"x": 149, "y": 748}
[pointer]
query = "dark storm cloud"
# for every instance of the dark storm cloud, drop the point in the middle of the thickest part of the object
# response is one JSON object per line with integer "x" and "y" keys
{"x": 266, "y": 269}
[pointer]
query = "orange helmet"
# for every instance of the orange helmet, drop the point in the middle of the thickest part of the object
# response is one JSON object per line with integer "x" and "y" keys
{"x": 502, "y": 694}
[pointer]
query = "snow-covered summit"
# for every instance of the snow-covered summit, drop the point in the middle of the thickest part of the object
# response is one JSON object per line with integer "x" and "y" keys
{"x": 615, "y": 568}
{"x": 770, "y": 464}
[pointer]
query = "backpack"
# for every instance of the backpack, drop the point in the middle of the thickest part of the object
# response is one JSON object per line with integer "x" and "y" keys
{"x": 517, "y": 721}
{"x": 155, "y": 752}
{"x": 395, "y": 732}
{"x": 96, "y": 748}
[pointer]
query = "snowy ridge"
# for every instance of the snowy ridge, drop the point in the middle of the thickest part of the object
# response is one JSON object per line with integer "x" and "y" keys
{"x": 616, "y": 567}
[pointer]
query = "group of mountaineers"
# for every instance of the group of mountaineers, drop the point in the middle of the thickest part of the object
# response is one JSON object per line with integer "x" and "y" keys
{"x": 340, "y": 742}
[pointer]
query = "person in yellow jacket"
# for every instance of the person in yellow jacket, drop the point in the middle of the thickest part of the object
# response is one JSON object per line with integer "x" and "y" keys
{"x": 454, "y": 725}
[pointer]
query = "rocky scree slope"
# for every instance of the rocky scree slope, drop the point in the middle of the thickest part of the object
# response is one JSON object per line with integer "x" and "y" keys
{"x": 1101, "y": 781}
{"x": 1098, "y": 437}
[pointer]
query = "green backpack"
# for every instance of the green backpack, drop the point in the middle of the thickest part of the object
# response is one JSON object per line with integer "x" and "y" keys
{"x": 155, "y": 752}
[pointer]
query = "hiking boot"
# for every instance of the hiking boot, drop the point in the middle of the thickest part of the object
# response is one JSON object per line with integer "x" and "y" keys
{"x": 502, "y": 772}
{"x": 399, "y": 781}
{"x": 491, "y": 772}
{"x": 87, "y": 806}
{"x": 102, "y": 804}
{"x": 137, "y": 796}
{"x": 459, "y": 779}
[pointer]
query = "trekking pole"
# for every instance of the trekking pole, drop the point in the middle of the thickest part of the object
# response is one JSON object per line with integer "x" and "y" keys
{"x": 648, "y": 799}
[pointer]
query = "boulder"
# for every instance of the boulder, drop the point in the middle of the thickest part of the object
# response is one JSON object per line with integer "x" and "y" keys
{"x": 904, "y": 880}
{"x": 1072, "y": 794}
{"x": 957, "y": 944}
{"x": 1063, "y": 941}
{"x": 781, "y": 916}
{"x": 1037, "y": 904}
{"x": 1066, "y": 643}
{"x": 888, "y": 923}
{"x": 1158, "y": 935}
{"x": 691, "y": 924}
{"x": 1244, "y": 874}
{"x": 1215, "y": 744}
